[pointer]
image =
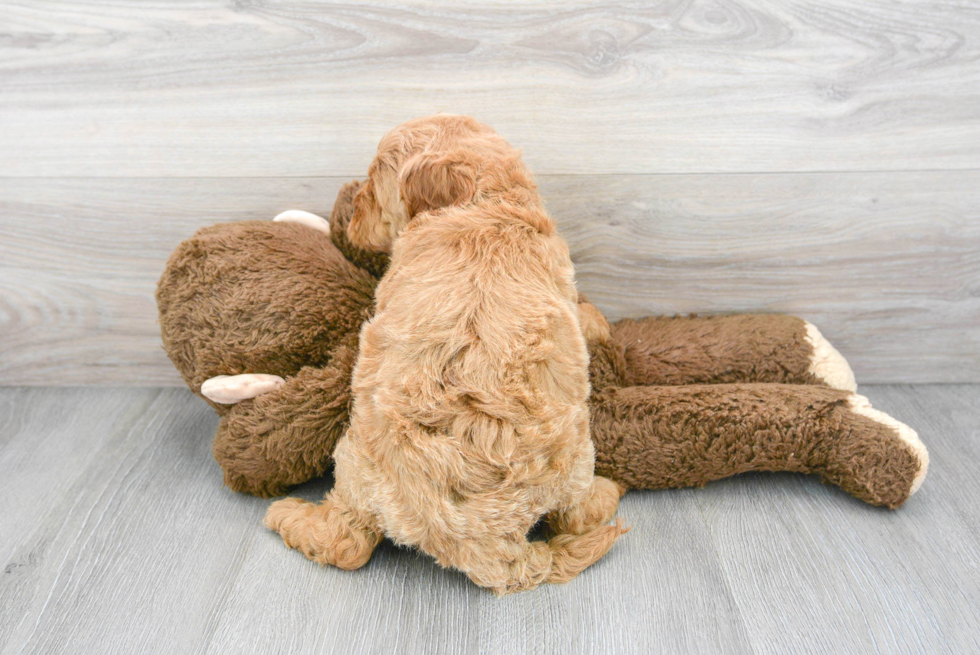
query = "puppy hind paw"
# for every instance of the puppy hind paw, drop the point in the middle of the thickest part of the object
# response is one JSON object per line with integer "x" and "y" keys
{"x": 592, "y": 512}
{"x": 572, "y": 554}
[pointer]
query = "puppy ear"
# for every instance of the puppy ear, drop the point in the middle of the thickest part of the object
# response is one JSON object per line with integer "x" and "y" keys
{"x": 366, "y": 227}
{"x": 434, "y": 180}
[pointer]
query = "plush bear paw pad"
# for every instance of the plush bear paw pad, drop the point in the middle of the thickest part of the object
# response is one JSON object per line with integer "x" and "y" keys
{"x": 304, "y": 218}
{"x": 828, "y": 364}
{"x": 230, "y": 389}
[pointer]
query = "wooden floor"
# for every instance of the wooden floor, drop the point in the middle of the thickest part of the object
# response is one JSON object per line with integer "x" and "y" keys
{"x": 116, "y": 536}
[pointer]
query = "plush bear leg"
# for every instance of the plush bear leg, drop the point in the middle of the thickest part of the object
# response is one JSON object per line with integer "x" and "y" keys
{"x": 662, "y": 437}
{"x": 720, "y": 349}
{"x": 282, "y": 438}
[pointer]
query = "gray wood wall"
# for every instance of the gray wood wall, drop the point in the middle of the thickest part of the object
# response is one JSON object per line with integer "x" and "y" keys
{"x": 819, "y": 158}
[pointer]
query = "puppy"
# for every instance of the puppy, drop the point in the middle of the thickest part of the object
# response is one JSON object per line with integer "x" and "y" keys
{"x": 469, "y": 419}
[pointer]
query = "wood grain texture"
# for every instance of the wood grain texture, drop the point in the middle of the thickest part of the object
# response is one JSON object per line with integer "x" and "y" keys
{"x": 413, "y": 606}
{"x": 307, "y": 88}
{"x": 886, "y": 264}
{"x": 45, "y": 447}
{"x": 140, "y": 549}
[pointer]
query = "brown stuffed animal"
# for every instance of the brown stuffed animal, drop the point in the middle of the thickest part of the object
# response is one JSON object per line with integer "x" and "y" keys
{"x": 265, "y": 316}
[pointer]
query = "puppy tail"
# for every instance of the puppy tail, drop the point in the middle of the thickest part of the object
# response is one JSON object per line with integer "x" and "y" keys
{"x": 571, "y": 554}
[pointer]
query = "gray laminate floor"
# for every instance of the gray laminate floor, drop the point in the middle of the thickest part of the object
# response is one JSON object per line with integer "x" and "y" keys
{"x": 116, "y": 536}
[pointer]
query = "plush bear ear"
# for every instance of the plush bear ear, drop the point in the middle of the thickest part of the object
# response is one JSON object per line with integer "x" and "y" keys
{"x": 432, "y": 180}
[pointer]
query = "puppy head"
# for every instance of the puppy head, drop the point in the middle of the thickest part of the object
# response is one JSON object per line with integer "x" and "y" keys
{"x": 421, "y": 166}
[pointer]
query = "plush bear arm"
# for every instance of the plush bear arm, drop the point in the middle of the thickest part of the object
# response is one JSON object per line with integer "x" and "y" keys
{"x": 285, "y": 437}
{"x": 666, "y": 436}
{"x": 720, "y": 349}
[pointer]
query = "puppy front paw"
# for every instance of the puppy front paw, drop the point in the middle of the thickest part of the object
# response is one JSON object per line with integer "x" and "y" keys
{"x": 282, "y": 511}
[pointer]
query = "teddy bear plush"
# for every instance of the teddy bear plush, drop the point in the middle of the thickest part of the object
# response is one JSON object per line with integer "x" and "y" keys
{"x": 261, "y": 318}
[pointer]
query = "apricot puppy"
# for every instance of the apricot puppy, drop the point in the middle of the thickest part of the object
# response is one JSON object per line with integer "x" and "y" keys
{"x": 469, "y": 419}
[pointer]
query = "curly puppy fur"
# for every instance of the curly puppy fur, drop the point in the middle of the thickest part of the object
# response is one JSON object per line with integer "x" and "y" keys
{"x": 470, "y": 418}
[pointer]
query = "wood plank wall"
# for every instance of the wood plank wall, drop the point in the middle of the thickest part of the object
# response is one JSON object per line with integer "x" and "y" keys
{"x": 820, "y": 158}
